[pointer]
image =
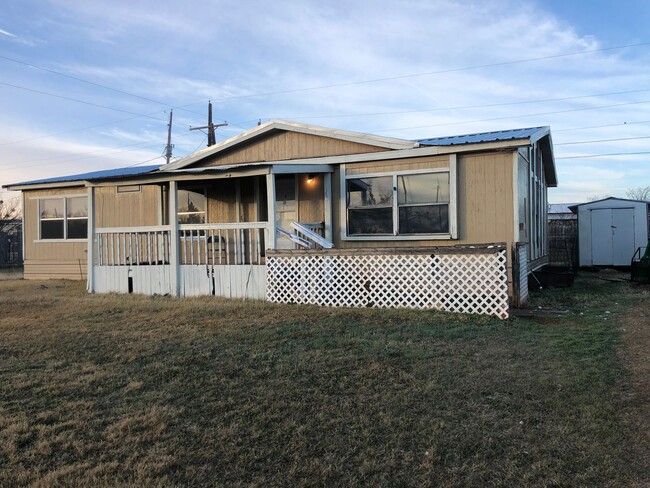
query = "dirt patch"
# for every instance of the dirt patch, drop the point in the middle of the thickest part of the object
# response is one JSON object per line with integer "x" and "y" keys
{"x": 636, "y": 353}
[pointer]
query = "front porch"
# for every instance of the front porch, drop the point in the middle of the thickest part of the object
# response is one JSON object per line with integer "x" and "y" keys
{"x": 213, "y": 234}
{"x": 264, "y": 251}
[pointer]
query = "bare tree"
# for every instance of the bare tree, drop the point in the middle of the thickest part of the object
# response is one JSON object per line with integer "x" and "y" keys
{"x": 640, "y": 193}
{"x": 9, "y": 231}
{"x": 595, "y": 198}
{"x": 9, "y": 212}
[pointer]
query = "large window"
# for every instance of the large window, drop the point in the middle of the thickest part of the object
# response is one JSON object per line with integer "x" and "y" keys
{"x": 63, "y": 218}
{"x": 401, "y": 204}
{"x": 191, "y": 206}
{"x": 370, "y": 205}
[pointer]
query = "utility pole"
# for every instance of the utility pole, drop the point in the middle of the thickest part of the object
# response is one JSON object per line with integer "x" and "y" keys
{"x": 210, "y": 127}
{"x": 169, "y": 146}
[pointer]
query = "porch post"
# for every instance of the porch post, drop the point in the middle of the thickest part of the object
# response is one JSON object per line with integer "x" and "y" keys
{"x": 173, "y": 239}
{"x": 90, "y": 271}
{"x": 270, "y": 195}
{"x": 327, "y": 196}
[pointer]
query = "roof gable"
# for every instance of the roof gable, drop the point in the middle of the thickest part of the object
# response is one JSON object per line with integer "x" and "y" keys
{"x": 357, "y": 143}
{"x": 283, "y": 145}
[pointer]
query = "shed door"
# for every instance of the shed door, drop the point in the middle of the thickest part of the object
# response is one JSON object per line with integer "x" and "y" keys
{"x": 601, "y": 237}
{"x": 623, "y": 235}
{"x": 612, "y": 236}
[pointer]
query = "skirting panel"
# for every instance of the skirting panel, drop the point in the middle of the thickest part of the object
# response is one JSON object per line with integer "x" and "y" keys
{"x": 455, "y": 282}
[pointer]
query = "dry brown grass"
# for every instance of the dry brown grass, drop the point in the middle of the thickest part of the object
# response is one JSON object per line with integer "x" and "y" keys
{"x": 104, "y": 390}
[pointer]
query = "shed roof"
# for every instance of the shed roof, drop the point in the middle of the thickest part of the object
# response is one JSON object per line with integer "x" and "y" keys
{"x": 574, "y": 208}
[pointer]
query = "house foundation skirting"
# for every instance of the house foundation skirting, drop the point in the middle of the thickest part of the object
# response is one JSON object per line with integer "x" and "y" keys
{"x": 471, "y": 279}
{"x": 229, "y": 281}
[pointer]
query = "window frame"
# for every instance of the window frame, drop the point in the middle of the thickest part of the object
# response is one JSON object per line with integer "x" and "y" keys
{"x": 65, "y": 198}
{"x": 452, "y": 211}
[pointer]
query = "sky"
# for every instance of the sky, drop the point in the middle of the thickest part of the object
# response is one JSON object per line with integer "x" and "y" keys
{"x": 86, "y": 85}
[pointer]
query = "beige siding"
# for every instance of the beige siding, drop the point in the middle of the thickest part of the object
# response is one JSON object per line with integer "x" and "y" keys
{"x": 51, "y": 260}
{"x": 484, "y": 198}
{"x": 310, "y": 199}
{"x": 222, "y": 202}
{"x": 55, "y": 269}
{"x": 405, "y": 164}
{"x": 113, "y": 209}
{"x": 283, "y": 145}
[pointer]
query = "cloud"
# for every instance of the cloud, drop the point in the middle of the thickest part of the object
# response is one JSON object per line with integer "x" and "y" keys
{"x": 6, "y": 33}
{"x": 442, "y": 55}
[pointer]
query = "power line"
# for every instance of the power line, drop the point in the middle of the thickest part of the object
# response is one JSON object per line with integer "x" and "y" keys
{"x": 512, "y": 117}
{"x": 601, "y": 140}
{"x": 79, "y": 101}
{"x": 604, "y": 155}
{"x": 147, "y": 161}
{"x": 462, "y": 107}
{"x": 602, "y": 126}
{"x": 430, "y": 73}
{"x": 82, "y": 80}
{"x": 107, "y": 150}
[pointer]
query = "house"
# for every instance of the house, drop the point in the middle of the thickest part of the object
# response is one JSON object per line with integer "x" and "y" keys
{"x": 288, "y": 210}
{"x": 561, "y": 211}
{"x": 611, "y": 230}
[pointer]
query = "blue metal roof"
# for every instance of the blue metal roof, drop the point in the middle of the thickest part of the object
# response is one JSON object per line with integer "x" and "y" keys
{"x": 94, "y": 175}
{"x": 500, "y": 135}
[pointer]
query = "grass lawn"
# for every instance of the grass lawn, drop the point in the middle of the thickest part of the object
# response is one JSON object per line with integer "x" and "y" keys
{"x": 102, "y": 390}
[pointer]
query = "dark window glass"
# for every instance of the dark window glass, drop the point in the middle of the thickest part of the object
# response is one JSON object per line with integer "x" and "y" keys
{"x": 52, "y": 229}
{"x": 370, "y": 221}
{"x": 424, "y": 219}
{"x": 423, "y": 188}
{"x": 77, "y": 228}
{"x": 370, "y": 192}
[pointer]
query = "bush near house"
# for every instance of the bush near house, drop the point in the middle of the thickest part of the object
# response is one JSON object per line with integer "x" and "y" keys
{"x": 152, "y": 391}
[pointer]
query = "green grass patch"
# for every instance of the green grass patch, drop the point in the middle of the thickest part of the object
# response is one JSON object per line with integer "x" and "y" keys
{"x": 103, "y": 390}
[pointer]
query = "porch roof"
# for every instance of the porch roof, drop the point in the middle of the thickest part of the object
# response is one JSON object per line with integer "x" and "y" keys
{"x": 107, "y": 174}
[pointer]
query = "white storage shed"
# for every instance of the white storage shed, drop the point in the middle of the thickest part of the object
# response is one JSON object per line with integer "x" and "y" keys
{"x": 611, "y": 230}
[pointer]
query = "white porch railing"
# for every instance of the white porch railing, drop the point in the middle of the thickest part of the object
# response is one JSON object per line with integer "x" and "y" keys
{"x": 199, "y": 244}
{"x": 224, "y": 244}
{"x": 135, "y": 246}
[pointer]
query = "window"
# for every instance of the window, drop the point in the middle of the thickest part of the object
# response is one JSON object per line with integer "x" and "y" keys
{"x": 370, "y": 205}
{"x": 63, "y": 218}
{"x": 191, "y": 206}
{"x": 77, "y": 218}
{"x": 423, "y": 202}
{"x": 401, "y": 204}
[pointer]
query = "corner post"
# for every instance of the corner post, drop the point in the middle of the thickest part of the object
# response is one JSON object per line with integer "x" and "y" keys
{"x": 90, "y": 271}
{"x": 173, "y": 239}
{"x": 327, "y": 196}
{"x": 270, "y": 195}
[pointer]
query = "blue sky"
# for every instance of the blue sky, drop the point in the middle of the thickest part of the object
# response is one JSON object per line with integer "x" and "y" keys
{"x": 88, "y": 85}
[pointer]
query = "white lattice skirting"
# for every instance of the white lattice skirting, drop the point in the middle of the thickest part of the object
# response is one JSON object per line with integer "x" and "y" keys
{"x": 454, "y": 282}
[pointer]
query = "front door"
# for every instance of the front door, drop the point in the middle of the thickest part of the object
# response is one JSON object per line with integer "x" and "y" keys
{"x": 286, "y": 207}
